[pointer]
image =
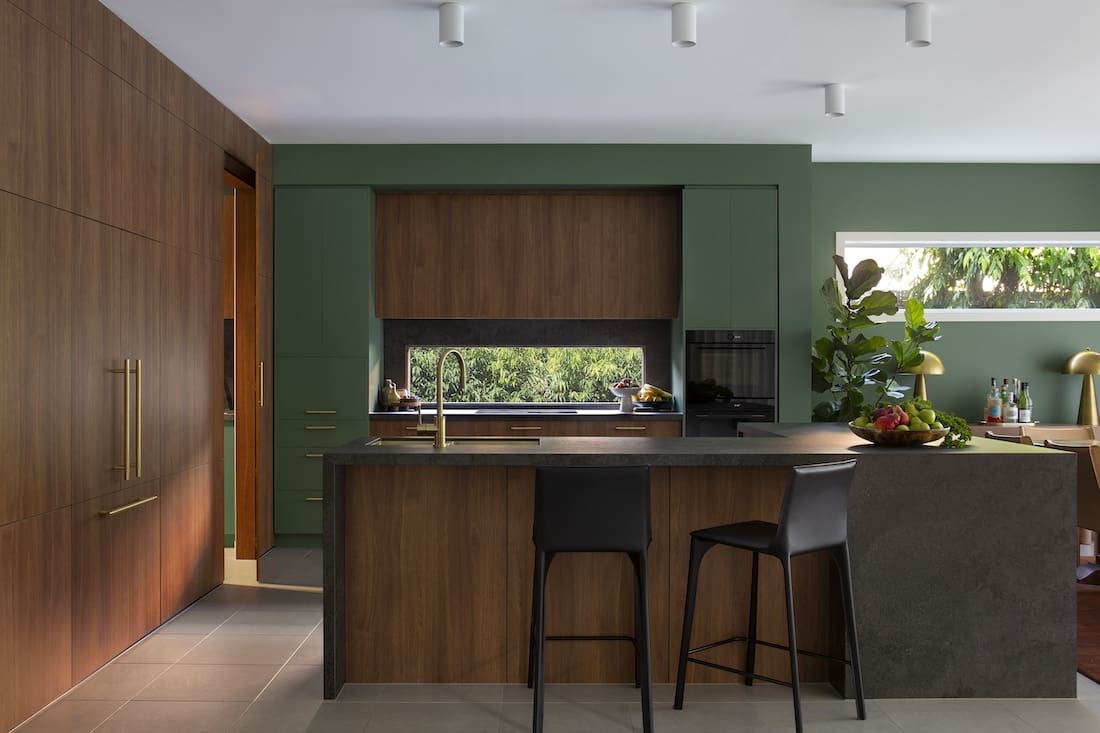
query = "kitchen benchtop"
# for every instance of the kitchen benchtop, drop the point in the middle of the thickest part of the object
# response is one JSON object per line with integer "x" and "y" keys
{"x": 784, "y": 445}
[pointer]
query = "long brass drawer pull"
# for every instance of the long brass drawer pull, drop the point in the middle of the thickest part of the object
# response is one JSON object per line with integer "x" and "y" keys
{"x": 526, "y": 427}
{"x": 320, "y": 412}
{"x": 320, "y": 427}
{"x": 315, "y": 498}
{"x": 630, "y": 427}
{"x": 410, "y": 427}
{"x": 260, "y": 379}
{"x": 315, "y": 455}
{"x": 127, "y": 507}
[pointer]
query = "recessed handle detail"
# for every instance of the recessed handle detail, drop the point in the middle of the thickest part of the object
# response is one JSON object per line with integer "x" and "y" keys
{"x": 127, "y": 507}
{"x": 320, "y": 427}
{"x": 315, "y": 455}
{"x": 526, "y": 427}
{"x": 320, "y": 412}
{"x": 630, "y": 427}
{"x": 315, "y": 498}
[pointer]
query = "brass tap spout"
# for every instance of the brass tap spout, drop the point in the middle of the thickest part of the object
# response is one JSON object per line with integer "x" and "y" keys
{"x": 440, "y": 427}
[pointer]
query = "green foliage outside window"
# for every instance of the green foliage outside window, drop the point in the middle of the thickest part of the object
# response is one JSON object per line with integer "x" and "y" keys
{"x": 526, "y": 374}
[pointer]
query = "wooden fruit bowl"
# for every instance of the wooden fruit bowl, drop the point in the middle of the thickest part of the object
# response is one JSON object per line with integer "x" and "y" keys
{"x": 898, "y": 437}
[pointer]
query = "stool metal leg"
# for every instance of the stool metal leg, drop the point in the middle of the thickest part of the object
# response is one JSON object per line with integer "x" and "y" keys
{"x": 750, "y": 651}
{"x": 637, "y": 630}
{"x": 641, "y": 585}
{"x": 792, "y": 641}
{"x": 541, "y": 563}
{"x": 531, "y": 632}
{"x": 840, "y": 555}
{"x": 698, "y": 550}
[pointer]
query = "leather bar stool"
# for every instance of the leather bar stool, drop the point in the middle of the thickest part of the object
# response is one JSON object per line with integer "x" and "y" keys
{"x": 814, "y": 518}
{"x": 591, "y": 510}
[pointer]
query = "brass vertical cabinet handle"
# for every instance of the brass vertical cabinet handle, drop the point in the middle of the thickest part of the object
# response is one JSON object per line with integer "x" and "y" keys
{"x": 125, "y": 467}
{"x": 261, "y": 390}
{"x": 137, "y": 411}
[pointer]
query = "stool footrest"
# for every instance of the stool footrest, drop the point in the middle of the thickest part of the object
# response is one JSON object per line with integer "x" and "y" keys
{"x": 592, "y": 638}
{"x": 784, "y": 647}
{"x": 741, "y": 672}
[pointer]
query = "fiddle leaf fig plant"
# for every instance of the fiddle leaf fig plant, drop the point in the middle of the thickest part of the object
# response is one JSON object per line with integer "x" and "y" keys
{"x": 849, "y": 362}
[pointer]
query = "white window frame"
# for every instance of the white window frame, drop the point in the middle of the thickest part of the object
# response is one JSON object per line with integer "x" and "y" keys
{"x": 962, "y": 239}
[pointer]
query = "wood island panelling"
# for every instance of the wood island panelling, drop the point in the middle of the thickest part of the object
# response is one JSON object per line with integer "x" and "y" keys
{"x": 111, "y": 165}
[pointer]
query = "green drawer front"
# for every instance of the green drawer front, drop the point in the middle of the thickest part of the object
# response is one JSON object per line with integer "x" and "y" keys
{"x": 322, "y": 386}
{"x": 320, "y": 433}
{"x": 297, "y": 512}
{"x": 298, "y": 469}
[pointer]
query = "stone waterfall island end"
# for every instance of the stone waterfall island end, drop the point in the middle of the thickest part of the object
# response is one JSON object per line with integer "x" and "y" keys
{"x": 963, "y": 563}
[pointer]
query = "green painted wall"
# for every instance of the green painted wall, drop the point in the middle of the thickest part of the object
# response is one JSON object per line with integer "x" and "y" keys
{"x": 957, "y": 197}
{"x": 787, "y": 167}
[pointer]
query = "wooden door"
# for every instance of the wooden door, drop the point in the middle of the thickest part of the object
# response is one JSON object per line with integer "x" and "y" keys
{"x": 190, "y": 521}
{"x": 116, "y": 574}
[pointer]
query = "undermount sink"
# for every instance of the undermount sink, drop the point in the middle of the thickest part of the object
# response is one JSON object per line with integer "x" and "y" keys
{"x": 510, "y": 411}
{"x": 427, "y": 440}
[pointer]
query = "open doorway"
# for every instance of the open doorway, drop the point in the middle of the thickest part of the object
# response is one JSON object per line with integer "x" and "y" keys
{"x": 247, "y": 420}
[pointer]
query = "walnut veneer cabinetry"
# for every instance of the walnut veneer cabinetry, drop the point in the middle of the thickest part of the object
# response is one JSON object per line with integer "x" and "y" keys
{"x": 111, "y": 165}
{"x": 538, "y": 254}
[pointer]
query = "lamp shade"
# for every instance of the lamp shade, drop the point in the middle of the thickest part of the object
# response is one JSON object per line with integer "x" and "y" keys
{"x": 1083, "y": 362}
{"x": 930, "y": 365}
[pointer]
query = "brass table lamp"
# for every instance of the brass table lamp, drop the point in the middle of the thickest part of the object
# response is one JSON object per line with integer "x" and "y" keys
{"x": 1085, "y": 362}
{"x": 930, "y": 365}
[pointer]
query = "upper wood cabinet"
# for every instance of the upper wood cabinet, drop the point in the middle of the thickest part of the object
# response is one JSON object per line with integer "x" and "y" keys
{"x": 544, "y": 254}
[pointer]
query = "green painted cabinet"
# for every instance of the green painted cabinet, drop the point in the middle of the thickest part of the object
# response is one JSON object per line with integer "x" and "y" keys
{"x": 730, "y": 257}
{"x": 323, "y": 321}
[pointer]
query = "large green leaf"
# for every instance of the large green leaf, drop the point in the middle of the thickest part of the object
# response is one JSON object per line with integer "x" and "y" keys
{"x": 914, "y": 313}
{"x": 862, "y": 345}
{"x": 831, "y": 293}
{"x": 865, "y": 276}
{"x": 878, "y": 303}
{"x": 842, "y": 267}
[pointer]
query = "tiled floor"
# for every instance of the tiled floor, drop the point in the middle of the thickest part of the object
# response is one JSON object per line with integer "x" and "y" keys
{"x": 249, "y": 659}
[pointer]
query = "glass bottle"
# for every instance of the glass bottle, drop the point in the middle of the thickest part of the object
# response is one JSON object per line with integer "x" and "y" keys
{"x": 1024, "y": 403}
{"x": 1011, "y": 408}
{"x": 993, "y": 404}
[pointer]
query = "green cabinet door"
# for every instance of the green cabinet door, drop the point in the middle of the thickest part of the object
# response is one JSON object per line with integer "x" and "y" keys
{"x": 322, "y": 388}
{"x": 323, "y": 271}
{"x": 730, "y": 257}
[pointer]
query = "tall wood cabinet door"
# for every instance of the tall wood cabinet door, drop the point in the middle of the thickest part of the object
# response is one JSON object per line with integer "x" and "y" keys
{"x": 98, "y": 399}
{"x": 116, "y": 574}
{"x": 35, "y": 613}
{"x": 177, "y": 398}
{"x": 143, "y": 281}
{"x": 191, "y": 518}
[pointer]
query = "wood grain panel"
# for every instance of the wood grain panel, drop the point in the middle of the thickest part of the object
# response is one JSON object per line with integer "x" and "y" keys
{"x": 35, "y": 613}
{"x": 116, "y": 575}
{"x": 12, "y": 253}
{"x": 528, "y": 255}
{"x": 238, "y": 139}
{"x": 265, "y": 229}
{"x": 98, "y": 33}
{"x": 35, "y": 110}
{"x": 246, "y": 372}
{"x": 587, "y": 593}
{"x": 427, "y": 557}
{"x": 144, "y": 278}
{"x": 140, "y": 64}
{"x": 178, "y": 446}
{"x": 190, "y": 520}
{"x": 143, "y": 164}
{"x": 97, "y": 405}
{"x": 57, "y": 15}
{"x": 98, "y": 146}
{"x": 707, "y": 497}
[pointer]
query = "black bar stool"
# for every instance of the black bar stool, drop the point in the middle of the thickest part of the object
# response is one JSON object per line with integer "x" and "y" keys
{"x": 814, "y": 518}
{"x": 591, "y": 510}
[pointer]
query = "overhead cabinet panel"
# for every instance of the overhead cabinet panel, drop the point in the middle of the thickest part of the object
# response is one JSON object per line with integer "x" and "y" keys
{"x": 536, "y": 254}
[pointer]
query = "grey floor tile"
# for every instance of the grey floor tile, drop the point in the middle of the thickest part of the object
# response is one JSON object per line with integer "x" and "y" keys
{"x": 313, "y": 651}
{"x": 435, "y": 717}
{"x": 1087, "y": 689}
{"x": 1058, "y": 716}
{"x": 766, "y": 717}
{"x": 278, "y": 717}
{"x": 272, "y": 623}
{"x": 953, "y": 716}
{"x": 426, "y": 693}
{"x": 197, "y": 620}
{"x": 117, "y": 682}
{"x": 210, "y": 682}
{"x": 341, "y": 717}
{"x": 256, "y": 597}
{"x": 243, "y": 649}
{"x": 71, "y": 716}
{"x": 295, "y": 683}
{"x": 601, "y": 717}
{"x": 174, "y": 717}
{"x": 160, "y": 648}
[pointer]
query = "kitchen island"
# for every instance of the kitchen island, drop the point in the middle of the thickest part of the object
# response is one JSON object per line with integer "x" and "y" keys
{"x": 963, "y": 563}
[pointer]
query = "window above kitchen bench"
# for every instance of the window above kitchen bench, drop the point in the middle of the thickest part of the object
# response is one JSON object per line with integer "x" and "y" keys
{"x": 986, "y": 276}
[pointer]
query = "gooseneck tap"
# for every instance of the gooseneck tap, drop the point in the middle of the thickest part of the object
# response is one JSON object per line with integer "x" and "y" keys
{"x": 440, "y": 426}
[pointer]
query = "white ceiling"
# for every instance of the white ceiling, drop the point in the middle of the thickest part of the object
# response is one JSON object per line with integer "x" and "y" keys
{"x": 1004, "y": 80}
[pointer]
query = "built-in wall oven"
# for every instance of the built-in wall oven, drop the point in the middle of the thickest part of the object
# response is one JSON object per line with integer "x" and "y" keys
{"x": 730, "y": 380}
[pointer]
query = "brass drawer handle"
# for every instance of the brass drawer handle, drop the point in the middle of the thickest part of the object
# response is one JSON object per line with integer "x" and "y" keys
{"x": 410, "y": 427}
{"x": 315, "y": 498}
{"x": 630, "y": 427}
{"x": 526, "y": 427}
{"x": 320, "y": 427}
{"x": 127, "y": 507}
{"x": 315, "y": 455}
{"x": 320, "y": 412}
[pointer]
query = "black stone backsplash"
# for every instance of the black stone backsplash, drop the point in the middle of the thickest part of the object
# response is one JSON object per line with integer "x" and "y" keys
{"x": 654, "y": 336}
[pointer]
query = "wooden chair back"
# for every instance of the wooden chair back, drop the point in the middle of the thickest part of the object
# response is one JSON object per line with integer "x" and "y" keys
{"x": 1009, "y": 437}
{"x": 1088, "y": 482}
{"x": 1038, "y": 435}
